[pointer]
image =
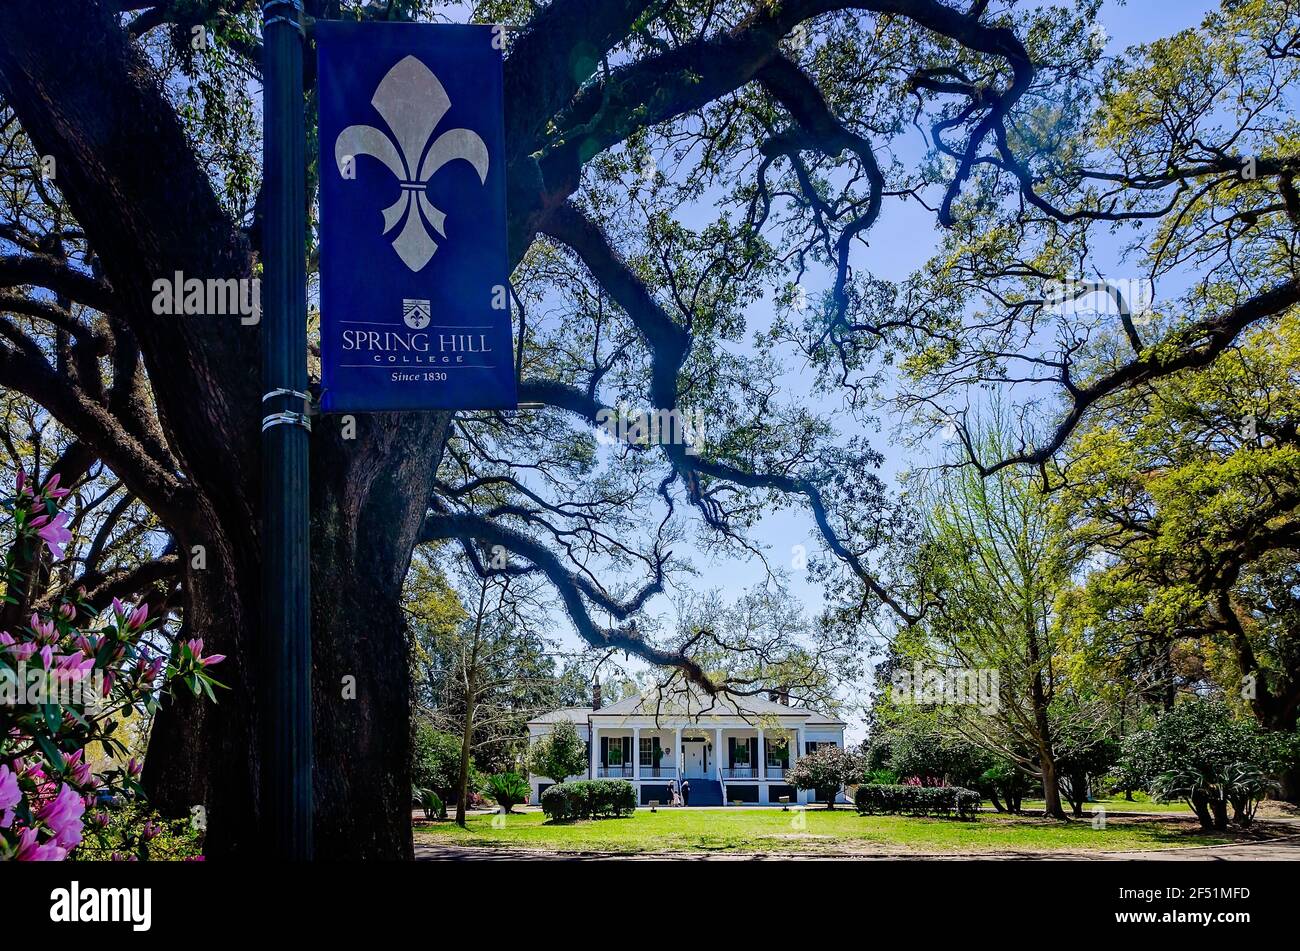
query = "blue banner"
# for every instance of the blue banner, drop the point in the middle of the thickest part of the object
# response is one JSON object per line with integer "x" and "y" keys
{"x": 415, "y": 306}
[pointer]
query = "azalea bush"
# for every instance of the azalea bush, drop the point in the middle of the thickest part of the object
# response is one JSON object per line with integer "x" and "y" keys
{"x": 68, "y": 680}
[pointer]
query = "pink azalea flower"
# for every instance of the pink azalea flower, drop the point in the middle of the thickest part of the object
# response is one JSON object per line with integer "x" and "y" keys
{"x": 56, "y": 535}
{"x": 139, "y": 616}
{"x": 29, "y": 850}
{"x": 133, "y": 767}
{"x": 80, "y": 770}
{"x": 73, "y": 668}
{"x": 52, "y": 488}
{"x": 44, "y": 629}
{"x": 10, "y": 796}
{"x": 63, "y": 816}
{"x": 67, "y": 611}
{"x": 196, "y": 648}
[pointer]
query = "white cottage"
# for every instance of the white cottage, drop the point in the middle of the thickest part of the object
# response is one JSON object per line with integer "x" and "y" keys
{"x": 729, "y": 749}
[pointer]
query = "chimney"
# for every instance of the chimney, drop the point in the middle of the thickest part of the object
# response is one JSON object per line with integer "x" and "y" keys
{"x": 595, "y": 695}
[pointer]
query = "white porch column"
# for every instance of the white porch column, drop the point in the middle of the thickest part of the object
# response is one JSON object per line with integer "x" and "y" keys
{"x": 763, "y": 797}
{"x": 794, "y": 755}
{"x": 677, "y": 753}
{"x": 719, "y": 759}
{"x": 595, "y": 751}
{"x": 636, "y": 754}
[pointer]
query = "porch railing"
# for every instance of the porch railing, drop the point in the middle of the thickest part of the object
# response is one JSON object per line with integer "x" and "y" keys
{"x": 614, "y": 772}
{"x": 776, "y": 773}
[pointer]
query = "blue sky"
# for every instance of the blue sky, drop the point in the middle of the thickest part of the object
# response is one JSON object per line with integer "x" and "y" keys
{"x": 904, "y": 237}
{"x": 901, "y": 241}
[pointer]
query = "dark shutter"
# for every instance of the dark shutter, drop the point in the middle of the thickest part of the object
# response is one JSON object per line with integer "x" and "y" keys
{"x": 731, "y": 752}
{"x": 604, "y": 751}
{"x": 753, "y": 754}
{"x": 627, "y": 751}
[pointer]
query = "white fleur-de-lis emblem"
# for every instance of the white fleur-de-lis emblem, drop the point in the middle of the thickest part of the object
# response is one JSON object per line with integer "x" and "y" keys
{"x": 412, "y": 101}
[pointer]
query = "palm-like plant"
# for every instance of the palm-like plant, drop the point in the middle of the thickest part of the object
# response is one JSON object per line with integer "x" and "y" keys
{"x": 507, "y": 790}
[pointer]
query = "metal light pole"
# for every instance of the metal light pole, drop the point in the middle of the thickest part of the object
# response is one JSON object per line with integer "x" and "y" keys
{"x": 286, "y": 761}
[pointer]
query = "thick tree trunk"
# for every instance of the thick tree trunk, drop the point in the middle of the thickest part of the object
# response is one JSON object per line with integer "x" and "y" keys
{"x": 369, "y": 496}
{"x": 1051, "y": 787}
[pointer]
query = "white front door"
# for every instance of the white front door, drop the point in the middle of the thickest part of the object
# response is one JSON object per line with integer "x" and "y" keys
{"x": 693, "y": 759}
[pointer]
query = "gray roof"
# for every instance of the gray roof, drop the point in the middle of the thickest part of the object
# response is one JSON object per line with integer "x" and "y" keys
{"x": 572, "y": 714}
{"x": 692, "y": 704}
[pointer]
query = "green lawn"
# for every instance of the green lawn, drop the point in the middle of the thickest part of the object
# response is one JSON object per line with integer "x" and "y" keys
{"x": 843, "y": 830}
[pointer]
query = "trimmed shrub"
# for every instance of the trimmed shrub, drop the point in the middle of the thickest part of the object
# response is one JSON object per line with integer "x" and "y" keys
{"x": 918, "y": 800}
{"x": 589, "y": 799}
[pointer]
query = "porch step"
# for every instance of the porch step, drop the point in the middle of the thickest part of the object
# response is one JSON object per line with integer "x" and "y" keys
{"x": 706, "y": 792}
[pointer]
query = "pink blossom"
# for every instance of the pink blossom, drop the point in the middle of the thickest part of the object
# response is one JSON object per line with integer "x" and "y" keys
{"x": 10, "y": 796}
{"x": 196, "y": 648}
{"x": 79, "y": 769}
{"x": 133, "y": 767}
{"x": 52, "y": 488}
{"x": 29, "y": 850}
{"x": 63, "y": 816}
{"x": 44, "y": 630}
{"x": 56, "y": 535}
{"x": 138, "y": 616}
{"x": 67, "y": 611}
{"x": 73, "y": 668}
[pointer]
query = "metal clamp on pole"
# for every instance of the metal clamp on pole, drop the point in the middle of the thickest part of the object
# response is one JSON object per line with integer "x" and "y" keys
{"x": 288, "y": 418}
{"x": 292, "y": 14}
